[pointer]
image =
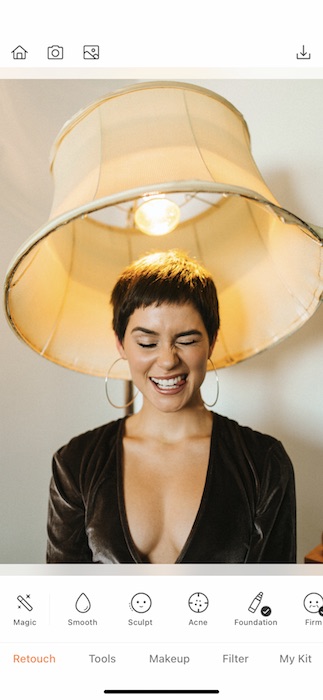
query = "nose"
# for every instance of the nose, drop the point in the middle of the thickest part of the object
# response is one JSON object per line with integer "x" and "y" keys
{"x": 168, "y": 357}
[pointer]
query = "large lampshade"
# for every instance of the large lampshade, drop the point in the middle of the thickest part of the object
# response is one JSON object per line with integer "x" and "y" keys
{"x": 189, "y": 149}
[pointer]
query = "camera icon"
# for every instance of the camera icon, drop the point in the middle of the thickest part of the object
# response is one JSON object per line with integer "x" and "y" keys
{"x": 55, "y": 52}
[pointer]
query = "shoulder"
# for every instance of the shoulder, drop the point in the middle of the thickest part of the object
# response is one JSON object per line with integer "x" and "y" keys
{"x": 84, "y": 460}
{"x": 104, "y": 432}
{"x": 261, "y": 451}
{"x": 231, "y": 429}
{"x": 92, "y": 445}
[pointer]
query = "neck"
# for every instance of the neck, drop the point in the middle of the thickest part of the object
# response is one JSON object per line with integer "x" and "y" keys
{"x": 171, "y": 427}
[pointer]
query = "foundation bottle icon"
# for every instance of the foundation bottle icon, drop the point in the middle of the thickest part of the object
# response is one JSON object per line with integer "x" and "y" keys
{"x": 255, "y": 602}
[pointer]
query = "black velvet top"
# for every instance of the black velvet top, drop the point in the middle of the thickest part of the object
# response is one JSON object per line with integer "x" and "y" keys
{"x": 246, "y": 513}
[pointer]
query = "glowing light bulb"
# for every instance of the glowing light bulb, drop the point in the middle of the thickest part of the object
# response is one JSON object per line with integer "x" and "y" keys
{"x": 157, "y": 216}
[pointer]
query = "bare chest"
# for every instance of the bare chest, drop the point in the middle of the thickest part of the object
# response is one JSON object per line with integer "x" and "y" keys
{"x": 163, "y": 487}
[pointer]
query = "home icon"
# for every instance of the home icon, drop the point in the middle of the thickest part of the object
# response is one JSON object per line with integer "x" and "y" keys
{"x": 19, "y": 52}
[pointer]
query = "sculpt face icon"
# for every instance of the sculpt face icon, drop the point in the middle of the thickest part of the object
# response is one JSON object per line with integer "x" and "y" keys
{"x": 313, "y": 602}
{"x": 140, "y": 602}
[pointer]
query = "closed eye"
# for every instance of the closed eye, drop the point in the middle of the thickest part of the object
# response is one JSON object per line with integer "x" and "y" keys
{"x": 147, "y": 345}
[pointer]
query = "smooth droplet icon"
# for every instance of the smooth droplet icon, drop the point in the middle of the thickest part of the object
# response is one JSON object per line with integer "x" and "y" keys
{"x": 83, "y": 604}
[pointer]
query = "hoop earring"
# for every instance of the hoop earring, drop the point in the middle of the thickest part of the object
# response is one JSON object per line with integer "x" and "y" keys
{"x": 209, "y": 405}
{"x": 107, "y": 378}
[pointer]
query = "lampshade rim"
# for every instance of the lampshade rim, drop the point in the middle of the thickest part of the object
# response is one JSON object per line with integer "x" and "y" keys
{"x": 64, "y": 219}
{"x": 92, "y": 371}
{"x": 137, "y": 87}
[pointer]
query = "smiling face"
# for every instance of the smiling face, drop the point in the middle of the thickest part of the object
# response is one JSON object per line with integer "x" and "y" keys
{"x": 167, "y": 348}
{"x": 141, "y": 602}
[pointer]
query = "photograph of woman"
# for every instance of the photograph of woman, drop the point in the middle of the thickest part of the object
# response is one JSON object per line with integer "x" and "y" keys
{"x": 161, "y": 265}
{"x": 175, "y": 482}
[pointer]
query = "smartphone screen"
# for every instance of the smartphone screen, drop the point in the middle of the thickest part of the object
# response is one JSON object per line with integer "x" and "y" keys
{"x": 181, "y": 603}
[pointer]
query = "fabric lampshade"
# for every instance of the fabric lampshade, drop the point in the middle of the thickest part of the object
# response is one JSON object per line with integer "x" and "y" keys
{"x": 191, "y": 146}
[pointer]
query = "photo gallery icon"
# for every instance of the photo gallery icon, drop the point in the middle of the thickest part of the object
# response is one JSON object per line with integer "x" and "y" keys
{"x": 91, "y": 51}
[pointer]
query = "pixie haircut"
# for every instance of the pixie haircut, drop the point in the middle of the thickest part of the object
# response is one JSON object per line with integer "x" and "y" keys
{"x": 165, "y": 278}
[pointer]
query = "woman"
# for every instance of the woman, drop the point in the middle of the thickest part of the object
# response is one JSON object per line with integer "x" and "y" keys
{"x": 175, "y": 482}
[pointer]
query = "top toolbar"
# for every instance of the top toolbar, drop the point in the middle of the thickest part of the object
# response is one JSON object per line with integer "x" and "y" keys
{"x": 28, "y": 54}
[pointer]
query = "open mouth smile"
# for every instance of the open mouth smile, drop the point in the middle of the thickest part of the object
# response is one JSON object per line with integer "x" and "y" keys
{"x": 169, "y": 383}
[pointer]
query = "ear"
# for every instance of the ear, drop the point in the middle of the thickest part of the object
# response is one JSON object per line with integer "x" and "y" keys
{"x": 120, "y": 347}
{"x": 212, "y": 346}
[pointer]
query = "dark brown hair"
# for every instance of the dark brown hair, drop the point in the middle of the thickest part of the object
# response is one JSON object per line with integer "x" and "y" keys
{"x": 169, "y": 277}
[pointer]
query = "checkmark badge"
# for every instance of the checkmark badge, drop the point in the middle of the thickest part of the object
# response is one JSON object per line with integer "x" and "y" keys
{"x": 265, "y": 611}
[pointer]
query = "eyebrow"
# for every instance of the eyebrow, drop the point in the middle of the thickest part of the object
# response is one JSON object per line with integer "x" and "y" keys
{"x": 148, "y": 331}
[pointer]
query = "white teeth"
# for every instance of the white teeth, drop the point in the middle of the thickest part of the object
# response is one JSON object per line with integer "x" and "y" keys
{"x": 164, "y": 383}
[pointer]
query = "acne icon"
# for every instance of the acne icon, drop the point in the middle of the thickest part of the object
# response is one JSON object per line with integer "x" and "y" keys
{"x": 198, "y": 602}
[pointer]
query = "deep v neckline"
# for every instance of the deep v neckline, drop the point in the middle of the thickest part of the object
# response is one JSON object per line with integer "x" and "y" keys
{"x": 133, "y": 550}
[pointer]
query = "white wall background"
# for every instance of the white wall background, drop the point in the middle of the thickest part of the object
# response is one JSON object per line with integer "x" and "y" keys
{"x": 42, "y": 405}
